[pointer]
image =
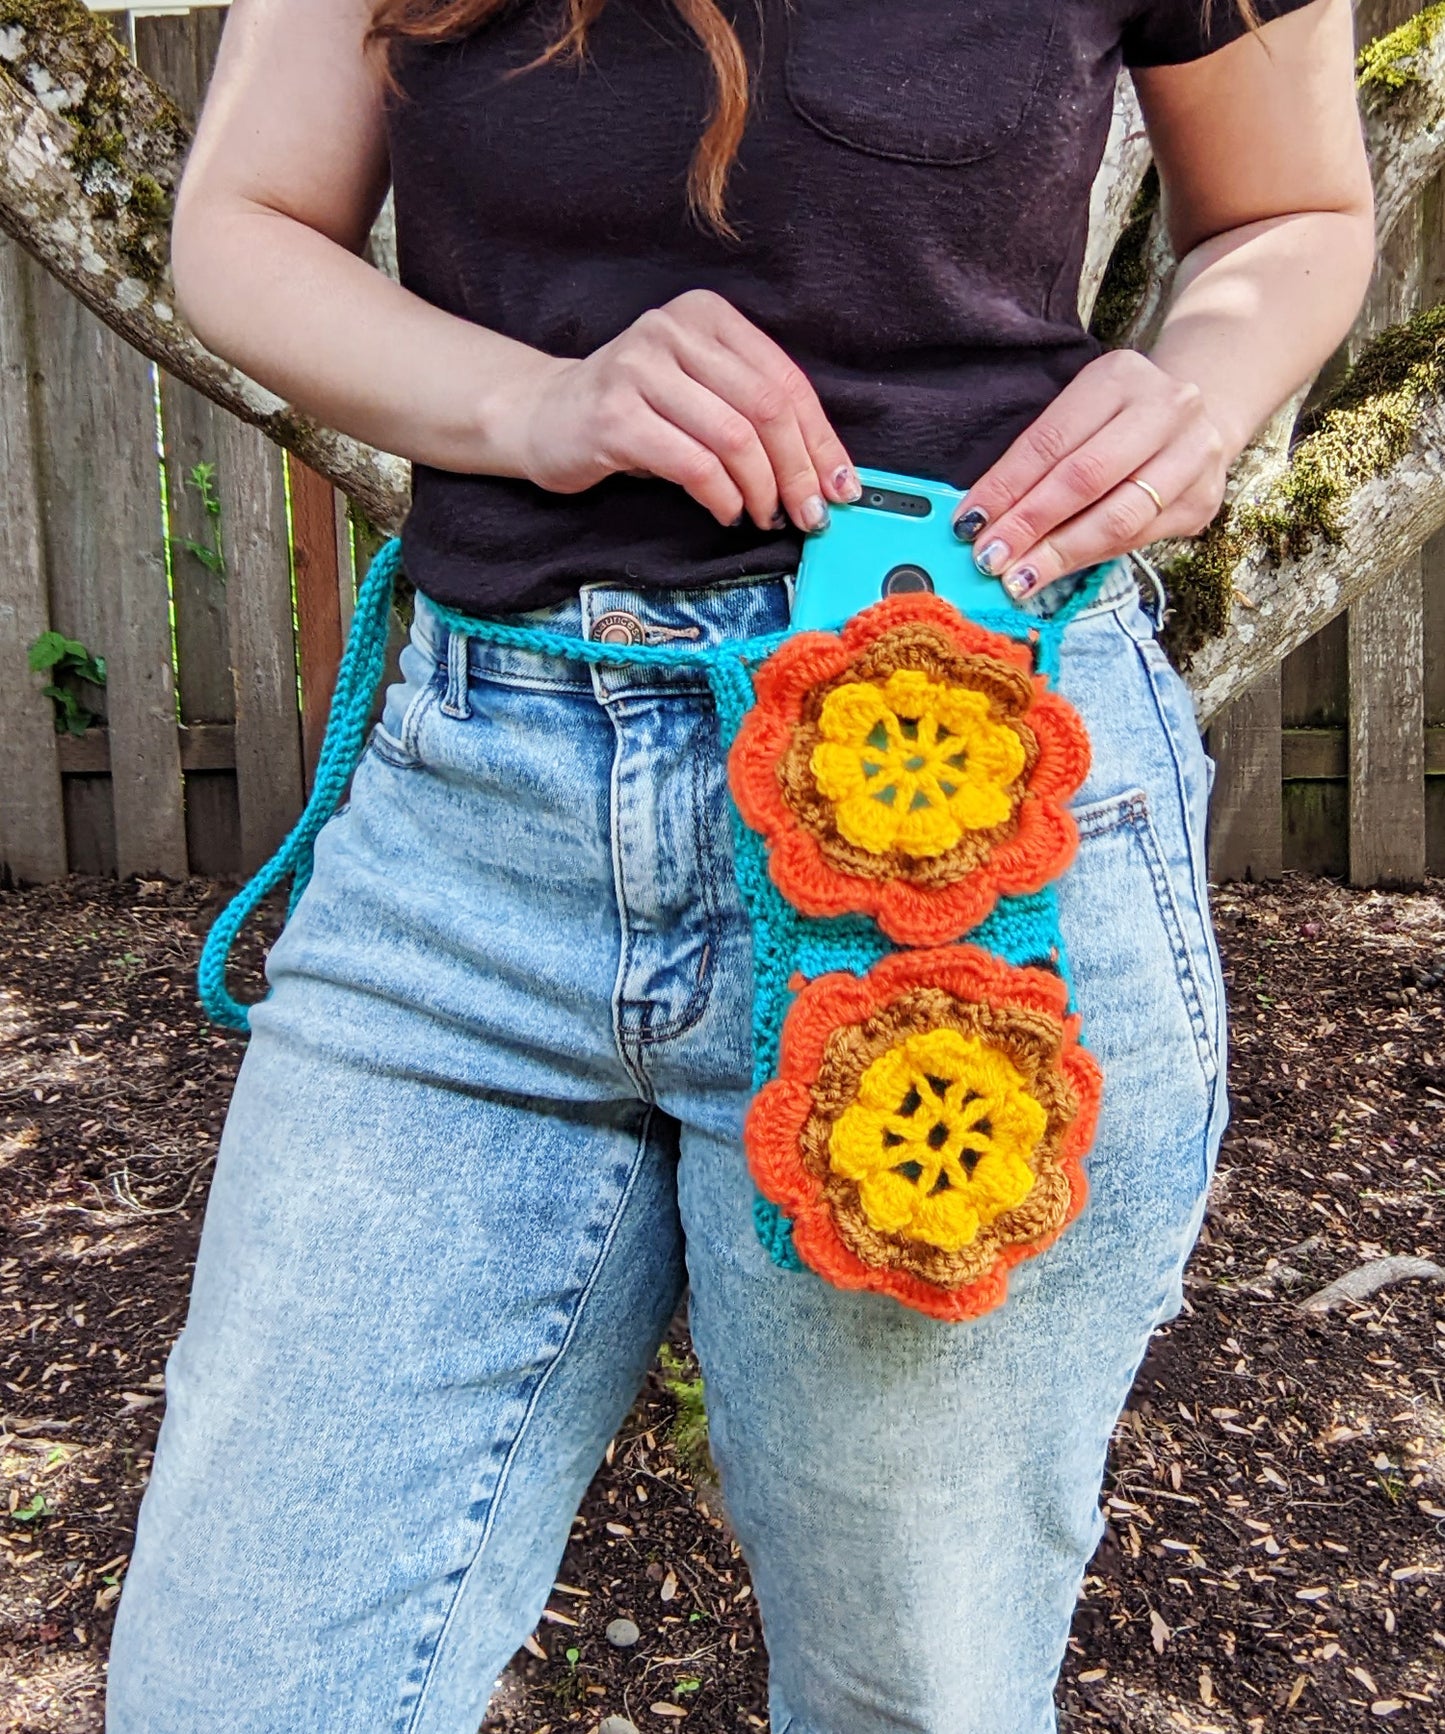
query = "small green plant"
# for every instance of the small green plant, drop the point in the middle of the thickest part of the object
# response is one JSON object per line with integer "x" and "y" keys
{"x": 682, "y": 1380}
{"x": 203, "y": 479}
{"x": 33, "y": 1509}
{"x": 689, "y": 1683}
{"x": 1389, "y": 1481}
{"x": 68, "y": 663}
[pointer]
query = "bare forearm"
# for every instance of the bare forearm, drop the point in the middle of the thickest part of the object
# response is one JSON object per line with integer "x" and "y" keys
{"x": 1257, "y": 311}
{"x": 322, "y": 328}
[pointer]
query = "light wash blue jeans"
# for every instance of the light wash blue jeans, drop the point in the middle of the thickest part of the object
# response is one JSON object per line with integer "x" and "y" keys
{"x": 486, "y": 1129}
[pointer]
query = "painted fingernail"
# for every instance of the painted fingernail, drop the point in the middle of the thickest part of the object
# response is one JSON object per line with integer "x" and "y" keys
{"x": 814, "y": 512}
{"x": 847, "y": 484}
{"x": 779, "y": 520}
{"x": 1021, "y": 583}
{"x": 737, "y": 522}
{"x": 968, "y": 524}
{"x": 992, "y": 559}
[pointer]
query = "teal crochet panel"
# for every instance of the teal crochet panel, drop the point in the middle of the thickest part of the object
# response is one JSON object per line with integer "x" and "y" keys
{"x": 785, "y": 943}
{"x": 1021, "y": 930}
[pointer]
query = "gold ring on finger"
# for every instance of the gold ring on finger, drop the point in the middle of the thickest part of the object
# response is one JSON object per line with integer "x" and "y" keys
{"x": 1153, "y": 493}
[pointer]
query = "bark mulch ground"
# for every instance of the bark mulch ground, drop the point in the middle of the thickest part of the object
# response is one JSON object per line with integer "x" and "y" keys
{"x": 1275, "y": 1554}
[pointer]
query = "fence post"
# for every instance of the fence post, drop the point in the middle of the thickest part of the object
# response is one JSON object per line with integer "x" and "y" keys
{"x": 178, "y": 52}
{"x": 263, "y": 646}
{"x": 1387, "y": 732}
{"x": 316, "y": 545}
{"x": 32, "y": 816}
{"x": 1247, "y": 813}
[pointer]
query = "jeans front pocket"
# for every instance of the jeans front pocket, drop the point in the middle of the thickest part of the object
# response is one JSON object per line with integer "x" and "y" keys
{"x": 915, "y": 81}
{"x": 395, "y": 737}
{"x": 1119, "y": 849}
{"x": 1142, "y": 987}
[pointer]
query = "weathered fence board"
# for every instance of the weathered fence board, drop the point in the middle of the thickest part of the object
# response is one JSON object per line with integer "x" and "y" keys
{"x": 32, "y": 817}
{"x": 258, "y": 591}
{"x": 101, "y": 501}
{"x": 318, "y": 601}
{"x": 178, "y": 51}
{"x": 1386, "y": 631}
{"x": 1387, "y": 733}
{"x": 1247, "y": 835}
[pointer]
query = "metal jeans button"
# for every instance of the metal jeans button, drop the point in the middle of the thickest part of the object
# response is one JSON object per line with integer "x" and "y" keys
{"x": 618, "y": 627}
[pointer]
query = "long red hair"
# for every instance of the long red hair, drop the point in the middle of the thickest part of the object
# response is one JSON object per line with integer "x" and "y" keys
{"x": 446, "y": 20}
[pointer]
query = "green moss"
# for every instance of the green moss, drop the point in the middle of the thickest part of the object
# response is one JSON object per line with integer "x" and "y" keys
{"x": 1389, "y": 63}
{"x": 77, "y": 48}
{"x": 1363, "y": 428}
{"x": 148, "y": 198}
{"x": 682, "y": 1378}
{"x": 1127, "y": 275}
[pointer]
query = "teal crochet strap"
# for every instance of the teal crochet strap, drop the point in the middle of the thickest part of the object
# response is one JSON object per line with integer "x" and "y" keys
{"x": 357, "y": 679}
{"x": 922, "y": 1100}
{"x": 362, "y": 665}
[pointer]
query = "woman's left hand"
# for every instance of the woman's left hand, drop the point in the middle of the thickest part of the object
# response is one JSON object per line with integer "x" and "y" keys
{"x": 1125, "y": 455}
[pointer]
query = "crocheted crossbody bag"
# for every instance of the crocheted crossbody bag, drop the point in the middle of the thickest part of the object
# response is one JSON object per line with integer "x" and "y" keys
{"x": 922, "y": 1100}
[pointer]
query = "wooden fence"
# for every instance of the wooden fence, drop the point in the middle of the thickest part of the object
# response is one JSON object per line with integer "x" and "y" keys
{"x": 217, "y": 683}
{"x": 1335, "y": 763}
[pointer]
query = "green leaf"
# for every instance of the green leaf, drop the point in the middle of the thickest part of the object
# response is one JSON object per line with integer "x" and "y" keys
{"x": 29, "y": 1512}
{"x": 574, "y": 1656}
{"x": 46, "y": 650}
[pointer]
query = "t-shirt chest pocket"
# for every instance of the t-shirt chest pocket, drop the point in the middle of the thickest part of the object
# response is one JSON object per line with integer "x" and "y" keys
{"x": 920, "y": 81}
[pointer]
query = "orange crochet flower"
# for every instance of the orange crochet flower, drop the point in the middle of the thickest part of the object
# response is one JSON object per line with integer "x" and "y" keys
{"x": 912, "y": 768}
{"x": 926, "y": 1128}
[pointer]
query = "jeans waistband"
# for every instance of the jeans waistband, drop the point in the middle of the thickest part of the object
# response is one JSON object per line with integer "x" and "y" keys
{"x": 682, "y": 618}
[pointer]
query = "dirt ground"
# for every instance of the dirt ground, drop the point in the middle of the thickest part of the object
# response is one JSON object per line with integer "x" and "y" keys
{"x": 1275, "y": 1554}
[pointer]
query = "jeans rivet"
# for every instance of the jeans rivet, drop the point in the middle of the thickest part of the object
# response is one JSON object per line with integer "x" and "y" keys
{"x": 617, "y": 627}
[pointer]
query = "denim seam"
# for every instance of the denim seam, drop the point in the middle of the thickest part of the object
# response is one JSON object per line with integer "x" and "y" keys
{"x": 413, "y": 1722}
{"x": 1132, "y": 810}
{"x": 1142, "y": 825}
{"x": 1198, "y": 876}
{"x": 530, "y": 683}
{"x": 400, "y": 750}
{"x": 620, "y": 1038}
{"x": 692, "y": 1013}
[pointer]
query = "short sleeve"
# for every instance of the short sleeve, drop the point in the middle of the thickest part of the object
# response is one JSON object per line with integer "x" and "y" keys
{"x": 1170, "y": 32}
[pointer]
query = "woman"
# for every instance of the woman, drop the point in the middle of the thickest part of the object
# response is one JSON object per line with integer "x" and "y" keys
{"x": 670, "y": 272}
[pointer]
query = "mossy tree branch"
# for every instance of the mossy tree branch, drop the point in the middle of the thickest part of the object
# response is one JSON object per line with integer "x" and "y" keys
{"x": 1402, "y": 99}
{"x": 1361, "y": 492}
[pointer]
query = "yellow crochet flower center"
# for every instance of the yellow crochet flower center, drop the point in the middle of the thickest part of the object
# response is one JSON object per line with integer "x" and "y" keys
{"x": 914, "y": 764}
{"x": 939, "y": 1138}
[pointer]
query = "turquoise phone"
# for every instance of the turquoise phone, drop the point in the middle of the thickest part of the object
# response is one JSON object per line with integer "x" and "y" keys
{"x": 898, "y": 538}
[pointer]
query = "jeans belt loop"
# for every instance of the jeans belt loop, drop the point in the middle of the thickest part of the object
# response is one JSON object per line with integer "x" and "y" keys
{"x": 1157, "y": 607}
{"x": 455, "y": 703}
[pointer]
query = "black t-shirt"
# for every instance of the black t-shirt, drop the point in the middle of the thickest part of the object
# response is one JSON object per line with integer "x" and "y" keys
{"x": 912, "y": 205}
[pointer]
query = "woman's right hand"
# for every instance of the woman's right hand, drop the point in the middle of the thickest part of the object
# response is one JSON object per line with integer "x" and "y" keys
{"x": 694, "y": 393}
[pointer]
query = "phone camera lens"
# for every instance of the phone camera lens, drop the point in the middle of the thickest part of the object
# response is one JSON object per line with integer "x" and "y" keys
{"x": 907, "y": 580}
{"x": 875, "y": 499}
